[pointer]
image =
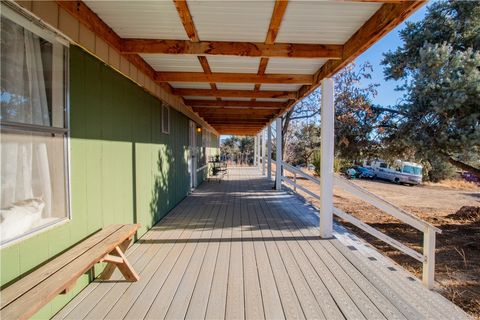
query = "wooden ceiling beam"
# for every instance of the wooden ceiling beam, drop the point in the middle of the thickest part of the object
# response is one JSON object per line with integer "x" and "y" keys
{"x": 190, "y": 29}
{"x": 275, "y": 22}
{"x": 249, "y": 104}
{"x": 247, "y": 49}
{"x": 187, "y": 21}
{"x": 239, "y": 122}
{"x": 233, "y": 77}
{"x": 240, "y": 115}
{"x": 236, "y": 93}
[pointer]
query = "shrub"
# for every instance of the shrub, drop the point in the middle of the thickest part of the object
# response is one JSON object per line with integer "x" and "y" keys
{"x": 338, "y": 163}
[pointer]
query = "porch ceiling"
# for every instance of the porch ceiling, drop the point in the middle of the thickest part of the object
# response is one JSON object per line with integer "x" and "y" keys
{"x": 239, "y": 64}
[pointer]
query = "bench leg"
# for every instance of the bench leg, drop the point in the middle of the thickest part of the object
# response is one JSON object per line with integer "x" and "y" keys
{"x": 117, "y": 259}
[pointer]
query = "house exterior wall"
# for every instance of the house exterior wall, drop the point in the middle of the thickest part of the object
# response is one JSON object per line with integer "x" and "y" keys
{"x": 123, "y": 168}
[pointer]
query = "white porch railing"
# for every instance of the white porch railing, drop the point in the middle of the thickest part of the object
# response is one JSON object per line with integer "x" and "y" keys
{"x": 427, "y": 258}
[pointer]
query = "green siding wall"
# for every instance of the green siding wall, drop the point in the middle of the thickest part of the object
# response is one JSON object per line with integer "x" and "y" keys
{"x": 123, "y": 168}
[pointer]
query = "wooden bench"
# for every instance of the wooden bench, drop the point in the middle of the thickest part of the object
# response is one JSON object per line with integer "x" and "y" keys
{"x": 25, "y": 297}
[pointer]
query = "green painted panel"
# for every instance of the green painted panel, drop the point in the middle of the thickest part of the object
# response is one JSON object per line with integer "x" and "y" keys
{"x": 123, "y": 168}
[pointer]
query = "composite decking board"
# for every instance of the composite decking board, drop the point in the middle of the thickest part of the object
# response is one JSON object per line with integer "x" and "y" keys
{"x": 85, "y": 304}
{"x": 235, "y": 308}
{"x": 217, "y": 300}
{"x": 253, "y": 294}
{"x": 413, "y": 291}
{"x": 382, "y": 303}
{"x": 126, "y": 300}
{"x": 216, "y": 306}
{"x": 183, "y": 294}
{"x": 344, "y": 302}
{"x": 401, "y": 299}
{"x": 238, "y": 249}
{"x": 178, "y": 254}
{"x": 271, "y": 300}
{"x": 315, "y": 277}
{"x": 150, "y": 258}
{"x": 194, "y": 250}
{"x": 323, "y": 297}
{"x": 291, "y": 305}
{"x": 361, "y": 299}
{"x": 306, "y": 297}
{"x": 86, "y": 292}
{"x": 197, "y": 305}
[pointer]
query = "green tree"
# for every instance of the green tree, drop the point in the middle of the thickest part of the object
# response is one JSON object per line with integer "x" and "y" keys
{"x": 358, "y": 122}
{"x": 439, "y": 64}
{"x": 305, "y": 140}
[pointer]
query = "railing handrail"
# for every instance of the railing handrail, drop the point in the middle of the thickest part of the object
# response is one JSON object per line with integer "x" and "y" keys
{"x": 429, "y": 231}
{"x": 385, "y": 205}
{"x": 372, "y": 199}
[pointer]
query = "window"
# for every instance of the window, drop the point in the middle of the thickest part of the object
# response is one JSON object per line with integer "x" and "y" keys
{"x": 34, "y": 127}
{"x": 165, "y": 118}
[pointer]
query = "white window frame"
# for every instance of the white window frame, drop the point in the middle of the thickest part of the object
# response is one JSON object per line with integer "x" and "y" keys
{"x": 26, "y": 20}
{"x": 167, "y": 108}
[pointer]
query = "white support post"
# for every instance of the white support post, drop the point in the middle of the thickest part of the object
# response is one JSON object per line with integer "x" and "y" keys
{"x": 428, "y": 275}
{"x": 269, "y": 152}
{"x": 259, "y": 149}
{"x": 326, "y": 167}
{"x": 263, "y": 152}
{"x": 255, "y": 143}
{"x": 278, "y": 165}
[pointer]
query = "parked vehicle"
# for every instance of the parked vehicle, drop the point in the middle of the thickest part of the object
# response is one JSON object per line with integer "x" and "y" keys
{"x": 364, "y": 173}
{"x": 399, "y": 172}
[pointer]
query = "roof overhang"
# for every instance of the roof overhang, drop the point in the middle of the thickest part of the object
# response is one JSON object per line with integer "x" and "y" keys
{"x": 239, "y": 64}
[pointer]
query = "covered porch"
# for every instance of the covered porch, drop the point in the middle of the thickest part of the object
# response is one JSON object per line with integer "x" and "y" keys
{"x": 239, "y": 249}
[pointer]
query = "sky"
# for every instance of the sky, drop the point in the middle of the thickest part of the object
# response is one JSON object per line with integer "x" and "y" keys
{"x": 386, "y": 91}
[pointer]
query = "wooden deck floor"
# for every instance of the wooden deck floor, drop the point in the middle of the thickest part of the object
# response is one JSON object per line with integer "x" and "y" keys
{"x": 238, "y": 249}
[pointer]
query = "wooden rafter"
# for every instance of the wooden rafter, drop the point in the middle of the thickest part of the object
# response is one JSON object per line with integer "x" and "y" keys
{"x": 247, "y": 49}
{"x": 385, "y": 19}
{"x": 213, "y": 111}
{"x": 251, "y": 104}
{"x": 236, "y": 93}
{"x": 274, "y": 26}
{"x": 186, "y": 17}
{"x": 233, "y": 77}
{"x": 189, "y": 25}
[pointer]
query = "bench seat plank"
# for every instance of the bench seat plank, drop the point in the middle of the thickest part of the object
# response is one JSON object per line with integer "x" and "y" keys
{"x": 22, "y": 285}
{"x": 32, "y": 300}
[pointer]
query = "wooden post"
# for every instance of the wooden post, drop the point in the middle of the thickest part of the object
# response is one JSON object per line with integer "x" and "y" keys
{"x": 278, "y": 165}
{"x": 255, "y": 150}
{"x": 326, "y": 167}
{"x": 269, "y": 152}
{"x": 264, "y": 142}
{"x": 428, "y": 275}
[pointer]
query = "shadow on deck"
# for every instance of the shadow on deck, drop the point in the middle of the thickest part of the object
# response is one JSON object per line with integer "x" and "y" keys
{"x": 238, "y": 249}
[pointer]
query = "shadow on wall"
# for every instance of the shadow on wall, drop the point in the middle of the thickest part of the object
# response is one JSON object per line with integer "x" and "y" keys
{"x": 124, "y": 168}
{"x": 160, "y": 199}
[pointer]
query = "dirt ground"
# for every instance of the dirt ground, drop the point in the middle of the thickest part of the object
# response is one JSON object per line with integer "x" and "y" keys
{"x": 456, "y": 211}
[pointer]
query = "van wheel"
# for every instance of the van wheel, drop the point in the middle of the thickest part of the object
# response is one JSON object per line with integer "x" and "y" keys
{"x": 397, "y": 180}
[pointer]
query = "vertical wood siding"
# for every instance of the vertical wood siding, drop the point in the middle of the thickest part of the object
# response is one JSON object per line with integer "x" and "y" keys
{"x": 123, "y": 168}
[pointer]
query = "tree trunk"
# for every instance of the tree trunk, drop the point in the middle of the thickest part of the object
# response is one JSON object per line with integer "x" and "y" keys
{"x": 464, "y": 166}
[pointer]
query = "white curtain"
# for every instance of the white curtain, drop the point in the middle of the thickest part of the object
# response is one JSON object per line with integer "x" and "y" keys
{"x": 25, "y": 168}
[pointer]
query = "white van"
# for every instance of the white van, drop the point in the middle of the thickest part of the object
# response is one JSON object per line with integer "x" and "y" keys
{"x": 399, "y": 172}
